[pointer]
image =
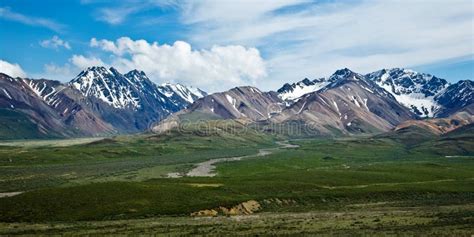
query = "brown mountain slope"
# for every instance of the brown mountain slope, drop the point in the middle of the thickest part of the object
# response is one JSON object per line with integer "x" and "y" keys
{"x": 441, "y": 125}
{"x": 240, "y": 102}
{"x": 351, "y": 105}
{"x": 55, "y": 109}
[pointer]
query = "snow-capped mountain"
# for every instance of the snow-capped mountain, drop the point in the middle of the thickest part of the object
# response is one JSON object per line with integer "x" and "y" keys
{"x": 140, "y": 101}
{"x": 424, "y": 94}
{"x": 46, "y": 108}
{"x": 416, "y": 91}
{"x": 349, "y": 104}
{"x": 132, "y": 89}
{"x": 180, "y": 94}
{"x": 97, "y": 101}
{"x": 292, "y": 92}
{"x": 110, "y": 86}
{"x": 456, "y": 97}
{"x": 104, "y": 101}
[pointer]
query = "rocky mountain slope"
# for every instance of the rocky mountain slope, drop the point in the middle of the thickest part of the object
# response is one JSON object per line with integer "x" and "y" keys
{"x": 424, "y": 94}
{"x": 103, "y": 101}
{"x": 439, "y": 126}
{"x": 349, "y": 104}
{"x": 456, "y": 98}
{"x": 51, "y": 108}
{"x": 98, "y": 101}
{"x": 240, "y": 102}
{"x": 344, "y": 103}
{"x": 292, "y": 92}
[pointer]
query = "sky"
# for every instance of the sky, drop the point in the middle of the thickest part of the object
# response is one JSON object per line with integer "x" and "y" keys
{"x": 219, "y": 44}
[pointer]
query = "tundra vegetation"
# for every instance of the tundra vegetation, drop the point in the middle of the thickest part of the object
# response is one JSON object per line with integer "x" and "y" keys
{"x": 386, "y": 184}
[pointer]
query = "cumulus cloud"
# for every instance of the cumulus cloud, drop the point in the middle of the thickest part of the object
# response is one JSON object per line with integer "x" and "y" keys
{"x": 60, "y": 73}
{"x": 217, "y": 68}
{"x": 13, "y": 70}
{"x": 55, "y": 43}
{"x": 83, "y": 62}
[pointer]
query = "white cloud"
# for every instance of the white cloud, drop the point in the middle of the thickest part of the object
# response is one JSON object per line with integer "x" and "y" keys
{"x": 60, "y": 73}
{"x": 218, "y": 68}
{"x": 312, "y": 40}
{"x": 70, "y": 69}
{"x": 82, "y": 62}
{"x": 13, "y": 70}
{"x": 297, "y": 38}
{"x": 118, "y": 14}
{"x": 6, "y": 13}
{"x": 55, "y": 43}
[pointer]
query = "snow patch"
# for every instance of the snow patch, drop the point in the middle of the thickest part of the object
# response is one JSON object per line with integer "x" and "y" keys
{"x": 232, "y": 101}
{"x": 337, "y": 108}
{"x": 302, "y": 107}
{"x": 6, "y": 93}
{"x": 301, "y": 89}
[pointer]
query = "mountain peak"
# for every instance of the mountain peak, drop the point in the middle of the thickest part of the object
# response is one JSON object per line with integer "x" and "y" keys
{"x": 179, "y": 93}
{"x": 107, "y": 85}
{"x": 96, "y": 69}
{"x": 343, "y": 74}
{"x": 306, "y": 81}
{"x": 139, "y": 75}
{"x": 291, "y": 92}
{"x": 114, "y": 71}
{"x": 413, "y": 89}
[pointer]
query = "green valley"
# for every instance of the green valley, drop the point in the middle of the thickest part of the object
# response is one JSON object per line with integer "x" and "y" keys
{"x": 364, "y": 184}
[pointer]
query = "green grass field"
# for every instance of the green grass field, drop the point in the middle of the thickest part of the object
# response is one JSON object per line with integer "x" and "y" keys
{"x": 364, "y": 185}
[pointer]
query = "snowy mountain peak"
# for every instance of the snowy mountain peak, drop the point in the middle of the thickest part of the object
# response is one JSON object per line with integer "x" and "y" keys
{"x": 133, "y": 89}
{"x": 413, "y": 89}
{"x": 455, "y": 97}
{"x": 291, "y": 92}
{"x": 114, "y": 71}
{"x": 420, "y": 92}
{"x": 107, "y": 85}
{"x": 179, "y": 92}
{"x": 344, "y": 74}
{"x": 136, "y": 74}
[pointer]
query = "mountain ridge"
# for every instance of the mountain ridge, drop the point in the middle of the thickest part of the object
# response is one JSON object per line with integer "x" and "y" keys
{"x": 424, "y": 94}
{"x": 99, "y": 101}
{"x": 104, "y": 101}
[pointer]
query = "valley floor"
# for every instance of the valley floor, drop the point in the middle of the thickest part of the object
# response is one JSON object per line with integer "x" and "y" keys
{"x": 349, "y": 186}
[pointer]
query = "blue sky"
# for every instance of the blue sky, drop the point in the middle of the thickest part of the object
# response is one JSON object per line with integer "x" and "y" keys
{"x": 219, "y": 44}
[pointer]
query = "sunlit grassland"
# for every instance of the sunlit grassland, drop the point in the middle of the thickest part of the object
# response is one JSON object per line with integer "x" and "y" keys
{"x": 369, "y": 183}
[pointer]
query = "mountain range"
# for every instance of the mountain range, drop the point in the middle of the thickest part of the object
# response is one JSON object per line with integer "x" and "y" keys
{"x": 101, "y": 101}
{"x": 424, "y": 94}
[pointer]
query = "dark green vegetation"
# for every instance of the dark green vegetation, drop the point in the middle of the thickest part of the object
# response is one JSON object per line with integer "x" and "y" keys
{"x": 16, "y": 125}
{"x": 357, "y": 185}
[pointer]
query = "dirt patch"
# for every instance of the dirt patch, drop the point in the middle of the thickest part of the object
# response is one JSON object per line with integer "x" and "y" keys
{"x": 244, "y": 208}
{"x": 211, "y": 212}
{"x": 10, "y": 194}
